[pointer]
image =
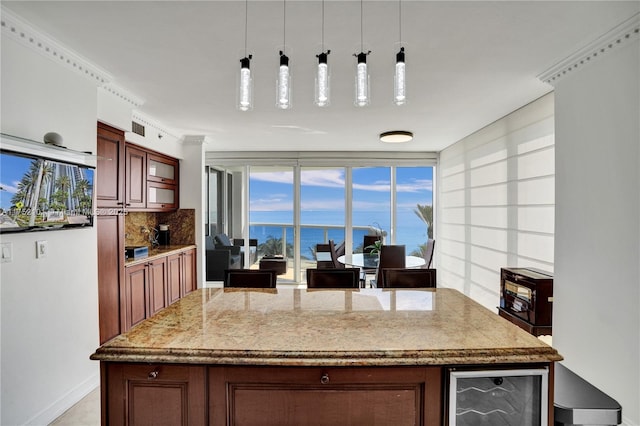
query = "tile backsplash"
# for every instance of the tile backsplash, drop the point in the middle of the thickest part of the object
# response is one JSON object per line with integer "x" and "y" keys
{"x": 140, "y": 225}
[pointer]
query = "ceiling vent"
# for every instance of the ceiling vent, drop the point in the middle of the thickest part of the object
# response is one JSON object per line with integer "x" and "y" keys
{"x": 137, "y": 128}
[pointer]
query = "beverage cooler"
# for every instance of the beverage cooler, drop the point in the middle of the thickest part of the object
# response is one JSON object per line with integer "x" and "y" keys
{"x": 498, "y": 397}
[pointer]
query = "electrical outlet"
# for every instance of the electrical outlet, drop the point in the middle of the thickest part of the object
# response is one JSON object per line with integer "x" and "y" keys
{"x": 42, "y": 249}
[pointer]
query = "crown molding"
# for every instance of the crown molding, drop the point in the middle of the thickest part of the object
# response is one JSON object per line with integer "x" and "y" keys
{"x": 16, "y": 28}
{"x": 197, "y": 140}
{"x": 619, "y": 36}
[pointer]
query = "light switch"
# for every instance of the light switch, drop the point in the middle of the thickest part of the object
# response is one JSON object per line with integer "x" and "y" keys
{"x": 42, "y": 249}
{"x": 7, "y": 252}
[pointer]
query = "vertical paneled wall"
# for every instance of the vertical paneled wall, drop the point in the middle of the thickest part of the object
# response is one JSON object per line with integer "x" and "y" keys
{"x": 496, "y": 202}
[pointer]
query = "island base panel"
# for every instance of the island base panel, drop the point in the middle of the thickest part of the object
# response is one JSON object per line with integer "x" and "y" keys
{"x": 325, "y": 396}
{"x": 154, "y": 394}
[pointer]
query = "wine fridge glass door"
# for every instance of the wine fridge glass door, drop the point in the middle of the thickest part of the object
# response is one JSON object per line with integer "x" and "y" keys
{"x": 499, "y": 397}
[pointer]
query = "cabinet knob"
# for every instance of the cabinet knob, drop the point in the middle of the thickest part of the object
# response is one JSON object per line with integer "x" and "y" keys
{"x": 324, "y": 379}
{"x": 153, "y": 375}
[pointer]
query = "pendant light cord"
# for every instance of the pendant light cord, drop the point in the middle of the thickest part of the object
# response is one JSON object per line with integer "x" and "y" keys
{"x": 400, "y": 20}
{"x": 323, "y": 25}
{"x": 284, "y": 25}
{"x": 246, "y": 20}
{"x": 361, "y": 31}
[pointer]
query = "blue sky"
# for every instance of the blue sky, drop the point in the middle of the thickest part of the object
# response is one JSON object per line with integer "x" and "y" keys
{"x": 322, "y": 194}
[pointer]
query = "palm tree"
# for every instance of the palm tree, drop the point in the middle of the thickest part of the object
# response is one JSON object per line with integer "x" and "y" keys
{"x": 425, "y": 213}
{"x": 273, "y": 246}
{"x": 42, "y": 173}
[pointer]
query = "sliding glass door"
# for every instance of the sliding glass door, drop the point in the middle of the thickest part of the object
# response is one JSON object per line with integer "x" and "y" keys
{"x": 271, "y": 212}
{"x": 290, "y": 208}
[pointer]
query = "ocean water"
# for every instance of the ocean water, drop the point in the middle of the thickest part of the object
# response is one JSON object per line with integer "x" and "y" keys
{"x": 411, "y": 237}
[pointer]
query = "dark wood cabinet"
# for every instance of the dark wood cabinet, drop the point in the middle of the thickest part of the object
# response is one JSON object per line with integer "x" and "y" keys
{"x": 110, "y": 165}
{"x": 190, "y": 282}
{"x": 110, "y": 230}
{"x": 109, "y": 187}
{"x": 136, "y": 178}
{"x": 325, "y": 396}
{"x": 526, "y": 299}
{"x": 147, "y": 394}
{"x": 136, "y": 295}
{"x": 175, "y": 273}
{"x": 152, "y": 180}
{"x": 145, "y": 290}
{"x": 157, "y": 285}
{"x": 181, "y": 274}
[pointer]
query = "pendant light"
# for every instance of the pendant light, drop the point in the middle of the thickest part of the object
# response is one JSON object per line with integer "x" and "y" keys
{"x": 399, "y": 86}
{"x": 362, "y": 75}
{"x": 245, "y": 86}
{"x": 283, "y": 88}
{"x": 322, "y": 88}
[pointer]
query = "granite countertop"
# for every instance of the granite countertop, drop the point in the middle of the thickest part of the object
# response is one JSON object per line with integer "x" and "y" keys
{"x": 300, "y": 327}
{"x": 159, "y": 251}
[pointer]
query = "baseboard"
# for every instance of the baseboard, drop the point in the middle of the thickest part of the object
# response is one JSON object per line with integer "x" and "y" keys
{"x": 65, "y": 402}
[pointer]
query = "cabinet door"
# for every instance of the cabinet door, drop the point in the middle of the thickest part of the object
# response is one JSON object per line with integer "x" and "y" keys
{"x": 190, "y": 274}
{"x": 156, "y": 395}
{"x": 174, "y": 277}
{"x": 162, "y": 196}
{"x": 110, "y": 167}
{"x": 110, "y": 267}
{"x": 317, "y": 396}
{"x": 136, "y": 295}
{"x": 162, "y": 169}
{"x": 157, "y": 285}
{"x": 136, "y": 180}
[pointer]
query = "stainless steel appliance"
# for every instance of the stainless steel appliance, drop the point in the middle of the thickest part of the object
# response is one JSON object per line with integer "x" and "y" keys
{"x": 516, "y": 397}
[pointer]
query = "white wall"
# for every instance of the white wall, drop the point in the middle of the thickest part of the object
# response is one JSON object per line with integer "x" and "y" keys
{"x": 49, "y": 306}
{"x": 496, "y": 202}
{"x": 597, "y": 279}
{"x": 193, "y": 195}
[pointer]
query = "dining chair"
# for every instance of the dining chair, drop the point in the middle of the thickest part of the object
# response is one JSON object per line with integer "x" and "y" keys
{"x": 428, "y": 253}
{"x": 333, "y": 278}
{"x": 391, "y": 256}
{"x": 409, "y": 278}
{"x": 327, "y": 255}
{"x": 367, "y": 242}
{"x": 250, "y": 278}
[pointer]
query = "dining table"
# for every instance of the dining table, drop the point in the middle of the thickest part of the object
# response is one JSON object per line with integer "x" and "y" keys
{"x": 370, "y": 261}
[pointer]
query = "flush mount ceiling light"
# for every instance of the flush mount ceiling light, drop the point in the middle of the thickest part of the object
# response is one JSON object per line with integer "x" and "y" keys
{"x": 396, "y": 136}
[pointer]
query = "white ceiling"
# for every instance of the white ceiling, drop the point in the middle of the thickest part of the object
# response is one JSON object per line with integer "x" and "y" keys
{"x": 469, "y": 63}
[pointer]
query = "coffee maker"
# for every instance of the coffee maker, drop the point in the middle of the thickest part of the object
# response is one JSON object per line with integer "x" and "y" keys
{"x": 163, "y": 235}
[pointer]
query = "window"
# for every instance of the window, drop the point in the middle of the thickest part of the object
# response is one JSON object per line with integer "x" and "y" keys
{"x": 290, "y": 208}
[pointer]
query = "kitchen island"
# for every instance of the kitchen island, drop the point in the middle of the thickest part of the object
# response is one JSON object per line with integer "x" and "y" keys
{"x": 297, "y": 356}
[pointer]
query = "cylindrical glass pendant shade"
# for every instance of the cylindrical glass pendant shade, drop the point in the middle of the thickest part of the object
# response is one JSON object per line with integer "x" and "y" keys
{"x": 283, "y": 91}
{"x": 400, "y": 89}
{"x": 322, "y": 88}
{"x": 245, "y": 92}
{"x": 362, "y": 81}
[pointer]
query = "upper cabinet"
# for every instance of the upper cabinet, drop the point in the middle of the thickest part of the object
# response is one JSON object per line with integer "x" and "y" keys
{"x": 152, "y": 180}
{"x": 109, "y": 183}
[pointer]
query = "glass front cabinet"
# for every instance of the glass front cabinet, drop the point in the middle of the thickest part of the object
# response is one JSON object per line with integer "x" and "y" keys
{"x": 498, "y": 397}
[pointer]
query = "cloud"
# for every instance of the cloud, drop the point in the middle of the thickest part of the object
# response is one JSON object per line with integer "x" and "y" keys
{"x": 334, "y": 178}
{"x": 11, "y": 188}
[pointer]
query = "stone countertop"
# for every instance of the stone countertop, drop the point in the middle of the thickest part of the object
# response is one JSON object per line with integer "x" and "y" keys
{"x": 158, "y": 252}
{"x": 300, "y": 327}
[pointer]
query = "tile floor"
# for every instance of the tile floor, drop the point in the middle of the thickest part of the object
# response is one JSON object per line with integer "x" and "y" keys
{"x": 85, "y": 413}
